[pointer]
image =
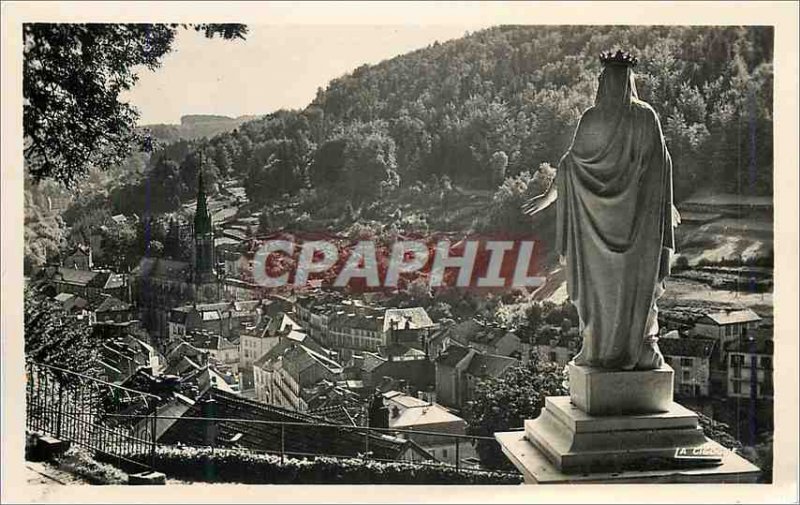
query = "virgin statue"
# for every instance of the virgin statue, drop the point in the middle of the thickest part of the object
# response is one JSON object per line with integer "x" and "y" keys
{"x": 615, "y": 222}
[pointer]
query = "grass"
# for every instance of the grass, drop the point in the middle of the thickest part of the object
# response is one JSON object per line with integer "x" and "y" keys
{"x": 80, "y": 462}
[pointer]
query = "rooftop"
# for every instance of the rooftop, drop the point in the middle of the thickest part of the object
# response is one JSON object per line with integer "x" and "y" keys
{"x": 687, "y": 346}
{"x": 733, "y": 317}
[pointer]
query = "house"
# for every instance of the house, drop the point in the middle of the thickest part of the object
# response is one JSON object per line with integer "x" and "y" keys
{"x": 750, "y": 368}
{"x": 352, "y": 325}
{"x": 242, "y": 425}
{"x": 414, "y": 414}
{"x": 74, "y": 306}
{"x": 80, "y": 258}
{"x": 459, "y": 369}
{"x": 556, "y": 346}
{"x": 228, "y": 319}
{"x": 88, "y": 284}
{"x": 410, "y": 326}
{"x": 282, "y": 373}
{"x": 690, "y": 358}
{"x": 111, "y": 309}
{"x": 417, "y": 374}
{"x": 121, "y": 358}
{"x": 486, "y": 337}
{"x": 341, "y": 401}
{"x": 222, "y": 351}
{"x": 727, "y": 326}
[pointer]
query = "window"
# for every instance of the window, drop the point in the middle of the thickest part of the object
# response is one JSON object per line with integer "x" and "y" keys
{"x": 737, "y": 387}
{"x": 687, "y": 376}
{"x": 687, "y": 362}
{"x": 728, "y": 331}
{"x": 552, "y": 356}
{"x": 766, "y": 363}
{"x": 444, "y": 453}
{"x": 737, "y": 359}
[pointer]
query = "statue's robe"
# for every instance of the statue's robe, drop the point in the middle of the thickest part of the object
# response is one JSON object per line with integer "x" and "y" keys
{"x": 615, "y": 226}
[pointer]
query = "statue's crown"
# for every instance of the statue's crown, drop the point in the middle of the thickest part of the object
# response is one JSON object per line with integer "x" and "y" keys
{"x": 620, "y": 58}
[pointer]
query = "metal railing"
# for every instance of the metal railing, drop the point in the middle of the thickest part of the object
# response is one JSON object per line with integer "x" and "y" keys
{"x": 86, "y": 411}
{"x": 124, "y": 424}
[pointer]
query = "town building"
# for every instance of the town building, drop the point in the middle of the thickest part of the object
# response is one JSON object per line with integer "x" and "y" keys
{"x": 111, "y": 309}
{"x": 351, "y": 325}
{"x": 88, "y": 284}
{"x": 556, "y": 346}
{"x": 410, "y": 413}
{"x": 690, "y": 358}
{"x": 459, "y": 369}
{"x": 726, "y": 327}
{"x": 750, "y": 365}
{"x": 80, "y": 258}
{"x": 221, "y": 351}
{"x": 485, "y": 336}
{"x": 282, "y": 373}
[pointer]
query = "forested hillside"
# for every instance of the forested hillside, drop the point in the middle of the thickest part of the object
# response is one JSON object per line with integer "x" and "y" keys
{"x": 476, "y": 118}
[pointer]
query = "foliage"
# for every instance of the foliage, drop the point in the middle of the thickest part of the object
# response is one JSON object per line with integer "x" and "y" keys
{"x": 516, "y": 190}
{"x": 44, "y": 233}
{"x": 243, "y": 466}
{"x": 54, "y": 338}
{"x": 73, "y": 76}
{"x": 500, "y": 404}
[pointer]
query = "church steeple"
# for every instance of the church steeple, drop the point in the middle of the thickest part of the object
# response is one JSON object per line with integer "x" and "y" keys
{"x": 203, "y": 237}
{"x": 202, "y": 218}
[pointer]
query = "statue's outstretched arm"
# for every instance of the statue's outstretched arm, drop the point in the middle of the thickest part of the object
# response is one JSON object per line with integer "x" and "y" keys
{"x": 541, "y": 202}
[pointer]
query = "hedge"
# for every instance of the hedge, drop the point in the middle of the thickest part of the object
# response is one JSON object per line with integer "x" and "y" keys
{"x": 246, "y": 467}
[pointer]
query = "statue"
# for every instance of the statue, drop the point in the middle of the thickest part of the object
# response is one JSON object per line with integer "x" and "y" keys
{"x": 615, "y": 222}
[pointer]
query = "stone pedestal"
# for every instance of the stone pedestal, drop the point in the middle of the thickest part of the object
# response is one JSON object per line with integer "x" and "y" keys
{"x": 601, "y": 392}
{"x": 579, "y": 442}
{"x": 620, "y": 425}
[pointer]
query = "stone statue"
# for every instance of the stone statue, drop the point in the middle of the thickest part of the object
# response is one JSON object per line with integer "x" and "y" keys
{"x": 615, "y": 221}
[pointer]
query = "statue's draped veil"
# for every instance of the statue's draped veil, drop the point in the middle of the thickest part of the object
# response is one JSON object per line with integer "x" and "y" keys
{"x": 614, "y": 224}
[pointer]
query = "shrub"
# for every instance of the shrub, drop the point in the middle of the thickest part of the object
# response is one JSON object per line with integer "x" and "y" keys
{"x": 247, "y": 467}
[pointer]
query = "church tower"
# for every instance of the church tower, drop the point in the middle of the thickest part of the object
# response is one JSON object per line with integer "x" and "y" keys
{"x": 206, "y": 284}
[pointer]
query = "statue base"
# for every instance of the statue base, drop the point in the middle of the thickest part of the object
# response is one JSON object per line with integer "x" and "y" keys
{"x": 577, "y": 442}
{"x": 602, "y": 392}
{"x": 620, "y": 426}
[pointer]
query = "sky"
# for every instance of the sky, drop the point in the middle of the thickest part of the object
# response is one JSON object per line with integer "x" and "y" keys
{"x": 278, "y": 66}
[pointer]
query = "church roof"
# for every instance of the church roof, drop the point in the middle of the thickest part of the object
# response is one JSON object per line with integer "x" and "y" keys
{"x": 164, "y": 268}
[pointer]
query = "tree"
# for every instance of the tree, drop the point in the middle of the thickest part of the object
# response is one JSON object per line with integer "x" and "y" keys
{"x": 44, "y": 234}
{"x": 497, "y": 165}
{"x": 73, "y": 76}
{"x": 500, "y": 404}
{"x": 54, "y": 338}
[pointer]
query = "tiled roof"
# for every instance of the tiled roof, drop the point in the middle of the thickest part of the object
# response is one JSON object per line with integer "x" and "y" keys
{"x": 75, "y": 276}
{"x": 413, "y": 318}
{"x": 328, "y": 440}
{"x": 337, "y": 414}
{"x": 696, "y": 347}
{"x": 371, "y": 362}
{"x": 489, "y": 365}
{"x": 165, "y": 268}
{"x": 429, "y": 414}
{"x": 733, "y": 316}
{"x": 453, "y": 355}
{"x": 112, "y": 304}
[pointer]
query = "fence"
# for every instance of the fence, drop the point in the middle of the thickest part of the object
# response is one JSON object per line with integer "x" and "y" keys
{"x": 125, "y": 424}
{"x": 88, "y": 412}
